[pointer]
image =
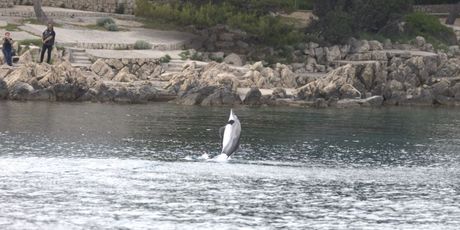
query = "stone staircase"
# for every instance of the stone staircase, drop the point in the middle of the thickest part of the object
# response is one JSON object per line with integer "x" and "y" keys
{"x": 79, "y": 58}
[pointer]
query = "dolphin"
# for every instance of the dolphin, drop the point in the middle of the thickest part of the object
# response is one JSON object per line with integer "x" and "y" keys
{"x": 230, "y": 135}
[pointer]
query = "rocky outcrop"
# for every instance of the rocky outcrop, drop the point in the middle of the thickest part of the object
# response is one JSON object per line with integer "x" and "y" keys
{"x": 62, "y": 82}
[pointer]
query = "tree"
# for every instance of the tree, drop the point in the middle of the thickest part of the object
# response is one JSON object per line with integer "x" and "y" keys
{"x": 39, "y": 13}
{"x": 453, "y": 14}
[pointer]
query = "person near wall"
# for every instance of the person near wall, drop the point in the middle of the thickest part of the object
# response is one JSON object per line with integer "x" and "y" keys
{"x": 48, "y": 37}
{"x": 8, "y": 49}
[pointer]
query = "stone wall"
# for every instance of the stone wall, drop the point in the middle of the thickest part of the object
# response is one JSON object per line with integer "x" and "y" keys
{"x": 434, "y": 9}
{"x": 109, "y": 6}
{"x": 6, "y": 3}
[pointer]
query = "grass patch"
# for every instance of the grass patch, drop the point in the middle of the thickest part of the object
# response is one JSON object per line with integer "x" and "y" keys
{"x": 27, "y": 42}
{"x": 11, "y": 27}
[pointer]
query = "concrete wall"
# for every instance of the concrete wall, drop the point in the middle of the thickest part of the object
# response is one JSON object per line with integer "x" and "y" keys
{"x": 6, "y": 3}
{"x": 434, "y": 9}
{"x": 109, "y": 6}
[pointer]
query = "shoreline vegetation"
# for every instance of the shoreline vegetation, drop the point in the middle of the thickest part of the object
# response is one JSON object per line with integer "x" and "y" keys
{"x": 350, "y": 53}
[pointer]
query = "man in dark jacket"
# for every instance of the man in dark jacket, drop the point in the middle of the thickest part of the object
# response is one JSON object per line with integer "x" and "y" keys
{"x": 48, "y": 41}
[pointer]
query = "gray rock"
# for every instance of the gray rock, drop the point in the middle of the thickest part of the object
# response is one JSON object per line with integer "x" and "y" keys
{"x": 253, "y": 97}
{"x": 420, "y": 41}
{"x": 442, "y": 88}
{"x": 3, "y": 89}
{"x": 281, "y": 93}
{"x": 222, "y": 97}
{"x": 102, "y": 69}
{"x": 333, "y": 53}
{"x": 233, "y": 59}
{"x": 20, "y": 91}
{"x": 374, "y": 101}
{"x": 375, "y": 45}
{"x": 359, "y": 46}
{"x": 347, "y": 91}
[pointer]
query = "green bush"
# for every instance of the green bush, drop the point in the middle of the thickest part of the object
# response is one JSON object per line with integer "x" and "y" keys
{"x": 264, "y": 28}
{"x": 165, "y": 59}
{"x": 111, "y": 27}
{"x": 421, "y": 24}
{"x": 104, "y": 21}
{"x": 340, "y": 19}
{"x": 142, "y": 45}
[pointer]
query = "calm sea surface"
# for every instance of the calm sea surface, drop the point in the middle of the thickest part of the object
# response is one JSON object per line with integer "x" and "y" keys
{"x": 102, "y": 166}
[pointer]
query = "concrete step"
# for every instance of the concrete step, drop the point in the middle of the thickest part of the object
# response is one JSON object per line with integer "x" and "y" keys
{"x": 80, "y": 58}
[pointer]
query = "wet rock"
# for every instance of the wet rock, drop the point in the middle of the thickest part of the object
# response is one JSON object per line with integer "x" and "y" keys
{"x": 253, "y": 97}
{"x": 20, "y": 91}
{"x": 347, "y": 91}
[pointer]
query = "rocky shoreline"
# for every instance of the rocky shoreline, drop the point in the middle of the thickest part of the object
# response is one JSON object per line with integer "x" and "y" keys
{"x": 361, "y": 73}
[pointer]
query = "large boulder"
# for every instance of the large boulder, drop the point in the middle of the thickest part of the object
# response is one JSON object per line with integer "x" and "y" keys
{"x": 124, "y": 76}
{"x": 233, "y": 59}
{"x": 253, "y": 97}
{"x": 102, "y": 69}
{"x": 3, "y": 89}
{"x": 222, "y": 96}
{"x": 20, "y": 91}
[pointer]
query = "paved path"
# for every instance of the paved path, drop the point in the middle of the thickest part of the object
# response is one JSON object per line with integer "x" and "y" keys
{"x": 162, "y": 40}
{"x": 133, "y": 53}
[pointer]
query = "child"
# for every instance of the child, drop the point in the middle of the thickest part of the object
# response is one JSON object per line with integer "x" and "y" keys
{"x": 8, "y": 49}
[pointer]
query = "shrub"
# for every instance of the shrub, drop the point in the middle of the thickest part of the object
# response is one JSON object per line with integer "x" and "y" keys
{"x": 165, "y": 59}
{"x": 421, "y": 24}
{"x": 264, "y": 28}
{"x": 111, "y": 27}
{"x": 184, "y": 55}
{"x": 142, "y": 45}
{"x": 104, "y": 21}
{"x": 351, "y": 18}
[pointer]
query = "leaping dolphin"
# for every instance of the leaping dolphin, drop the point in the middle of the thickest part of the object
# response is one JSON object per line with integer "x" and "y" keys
{"x": 230, "y": 135}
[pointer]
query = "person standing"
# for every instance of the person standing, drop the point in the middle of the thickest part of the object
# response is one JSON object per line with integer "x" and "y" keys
{"x": 48, "y": 37}
{"x": 8, "y": 49}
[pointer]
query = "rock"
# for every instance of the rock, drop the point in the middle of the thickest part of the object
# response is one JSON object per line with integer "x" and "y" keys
{"x": 253, "y": 97}
{"x": 102, "y": 69}
{"x": 420, "y": 41}
{"x": 124, "y": 76}
{"x": 348, "y": 103}
{"x": 442, "y": 88}
{"x": 453, "y": 51}
{"x": 359, "y": 46}
{"x": 242, "y": 45}
{"x": 375, "y": 45}
{"x": 42, "y": 95}
{"x": 320, "y": 55}
{"x": 196, "y": 96}
{"x": 26, "y": 58}
{"x": 347, "y": 91}
{"x": 115, "y": 63}
{"x": 333, "y": 53}
{"x": 226, "y": 36}
{"x": 313, "y": 45}
{"x": 217, "y": 55}
{"x": 279, "y": 93}
{"x": 221, "y": 97}
{"x": 3, "y": 89}
{"x": 258, "y": 66}
{"x": 387, "y": 44}
{"x": 233, "y": 59}
{"x": 374, "y": 101}
{"x": 20, "y": 91}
